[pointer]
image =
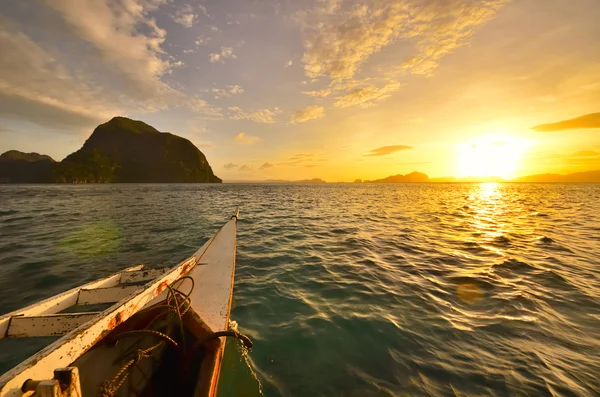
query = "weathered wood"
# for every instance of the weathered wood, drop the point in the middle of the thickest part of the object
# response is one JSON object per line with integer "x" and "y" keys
{"x": 105, "y": 295}
{"x": 62, "y": 301}
{"x": 142, "y": 275}
{"x": 47, "y": 325}
{"x": 65, "y": 350}
{"x": 211, "y": 298}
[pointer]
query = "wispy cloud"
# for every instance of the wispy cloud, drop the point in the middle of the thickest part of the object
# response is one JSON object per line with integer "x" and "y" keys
{"x": 205, "y": 109}
{"x": 303, "y": 158}
{"x": 185, "y": 16}
{"x": 366, "y": 96}
{"x": 259, "y": 116}
{"x": 319, "y": 93}
{"x": 266, "y": 165}
{"x": 340, "y": 37}
{"x": 226, "y": 53}
{"x": 245, "y": 168}
{"x": 245, "y": 139}
{"x": 230, "y": 166}
{"x": 588, "y": 121}
{"x": 201, "y": 41}
{"x": 385, "y": 150}
{"x": 310, "y": 113}
{"x": 228, "y": 91}
{"x": 40, "y": 85}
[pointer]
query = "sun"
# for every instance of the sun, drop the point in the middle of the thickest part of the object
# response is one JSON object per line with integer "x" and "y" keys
{"x": 494, "y": 154}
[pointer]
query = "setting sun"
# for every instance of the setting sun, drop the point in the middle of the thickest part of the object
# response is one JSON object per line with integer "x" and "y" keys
{"x": 491, "y": 155}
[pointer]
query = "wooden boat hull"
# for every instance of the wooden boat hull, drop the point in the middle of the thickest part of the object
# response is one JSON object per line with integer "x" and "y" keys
{"x": 88, "y": 346}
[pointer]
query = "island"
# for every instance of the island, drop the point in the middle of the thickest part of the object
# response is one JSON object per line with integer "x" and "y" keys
{"x": 119, "y": 151}
{"x": 413, "y": 177}
{"x": 19, "y": 167}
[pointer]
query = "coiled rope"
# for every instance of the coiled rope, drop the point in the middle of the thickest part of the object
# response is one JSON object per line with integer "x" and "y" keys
{"x": 163, "y": 326}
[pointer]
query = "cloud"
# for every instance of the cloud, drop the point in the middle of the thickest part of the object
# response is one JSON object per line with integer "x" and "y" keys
{"x": 259, "y": 116}
{"x": 37, "y": 87}
{"x": 310, "y": 113}
{"x": 587, "y": 121}
{"x": 385, "y": 150}
{"x": 339, "y": 37}
{"x": 288, "y": 64}
{"x": 228, "y": 91}
{"x": 189, "y": 51}
{"x": 203, "y": 9}
{"x": 185, "y": 16}
{"x": 245, "y": 139}
{"x": 226, "y": 53}
{"x": 266, "y": 165}
{"x": 365, "y": 96}
{"x": 202, "y": 41}
{"x": 303, "y": 158}
{"x": 230, "y": 166}
{"x": 205, "y": 109}
{"x": 319, "y": 94}
{"x": 245, "y": 168}
{"x": 96, "y": 59}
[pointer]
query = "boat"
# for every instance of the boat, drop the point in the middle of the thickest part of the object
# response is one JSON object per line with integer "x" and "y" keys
{"x": 162, "y": 333}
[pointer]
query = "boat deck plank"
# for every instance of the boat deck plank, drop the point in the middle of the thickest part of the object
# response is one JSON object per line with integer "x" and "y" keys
{"x": 211, "y": 298}
{"x": 61, "y": 301}
{"x": 47, "y": 325}
{"x": 105, "y": 295}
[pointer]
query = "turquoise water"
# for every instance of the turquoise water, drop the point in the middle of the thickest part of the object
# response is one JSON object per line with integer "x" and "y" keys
{"x": 349, "y": 289}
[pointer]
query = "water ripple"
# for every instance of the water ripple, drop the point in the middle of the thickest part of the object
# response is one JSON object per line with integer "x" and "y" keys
{"x": 349, "y": 290}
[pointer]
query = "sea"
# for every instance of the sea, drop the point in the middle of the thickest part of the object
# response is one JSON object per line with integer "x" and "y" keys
{"x": 346, "y": 289}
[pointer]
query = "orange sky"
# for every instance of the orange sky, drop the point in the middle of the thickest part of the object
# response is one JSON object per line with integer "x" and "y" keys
{"x": 332, "y": 89}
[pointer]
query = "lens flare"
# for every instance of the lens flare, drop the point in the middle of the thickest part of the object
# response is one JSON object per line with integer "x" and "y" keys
{"x": 93, "y": 239}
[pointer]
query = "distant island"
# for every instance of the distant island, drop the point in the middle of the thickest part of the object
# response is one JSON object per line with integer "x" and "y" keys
{"x": 119, "y": 151}
{"x": 413, "y": 177}
{"x": 418, "y": 177}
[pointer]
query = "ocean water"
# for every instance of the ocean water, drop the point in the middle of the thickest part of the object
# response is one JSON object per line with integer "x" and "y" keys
{"x": 347, "y": 289}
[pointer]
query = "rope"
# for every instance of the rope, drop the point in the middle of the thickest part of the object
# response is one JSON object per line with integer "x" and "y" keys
{"x": 162, "y": 326}
{"x": 176, "y": 304}
{"x": 245, "y": 340}
{"x": 110, "y": 387}
{"x": 148, "y": 331}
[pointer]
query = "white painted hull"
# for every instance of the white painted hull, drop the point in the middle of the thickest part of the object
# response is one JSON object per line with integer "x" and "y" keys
{"x": 84, "y": 345}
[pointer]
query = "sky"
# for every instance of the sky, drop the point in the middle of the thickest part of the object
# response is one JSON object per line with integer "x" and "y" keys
{"x": 297, "y": 89}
